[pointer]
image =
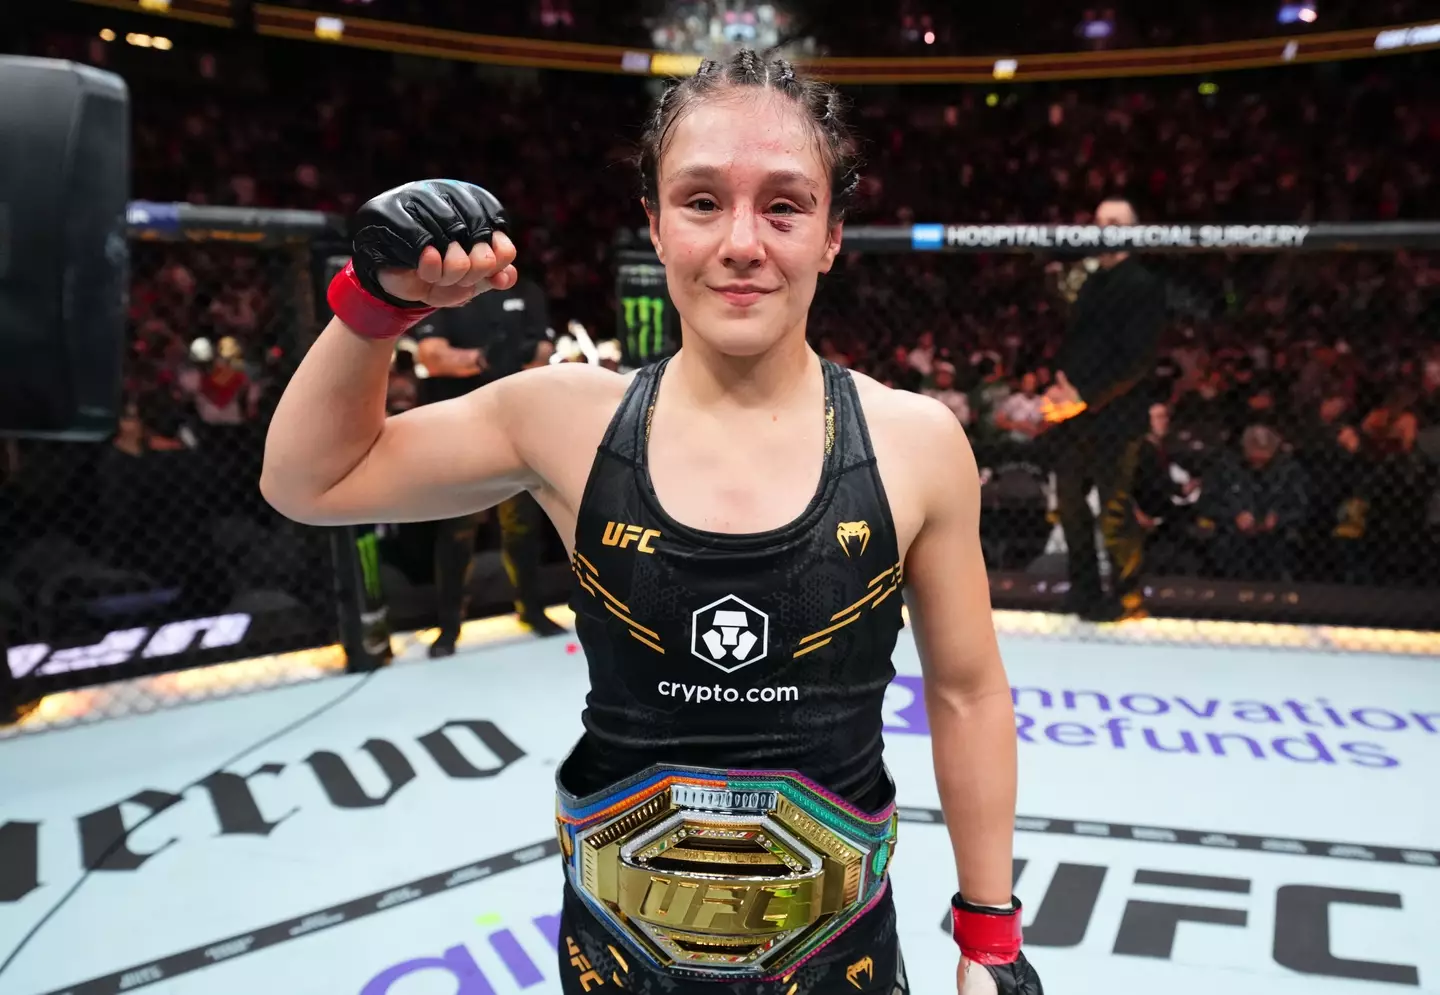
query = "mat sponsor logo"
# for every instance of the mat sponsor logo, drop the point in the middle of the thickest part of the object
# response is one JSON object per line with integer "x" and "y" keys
{"x": 1314, "y": 929}
{"x": 462, "y": 749}
{"x": 1314, "y": 731}
{"x": 520, "y": 950}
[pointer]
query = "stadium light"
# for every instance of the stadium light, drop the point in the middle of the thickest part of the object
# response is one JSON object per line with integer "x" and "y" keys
{"x": 106, "y": 34}
{"x": 139, "y": 40}
{"x": 1304, "y": 11}
{"x": 162, "y": 43}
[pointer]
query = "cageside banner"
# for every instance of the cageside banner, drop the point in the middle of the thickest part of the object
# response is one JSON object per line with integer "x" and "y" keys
{"x": 1140, "y": 238}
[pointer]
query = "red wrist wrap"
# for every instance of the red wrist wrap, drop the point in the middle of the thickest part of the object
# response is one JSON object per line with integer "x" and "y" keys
{"x": 991, "y": 938}
{"x": 366, "y": 315}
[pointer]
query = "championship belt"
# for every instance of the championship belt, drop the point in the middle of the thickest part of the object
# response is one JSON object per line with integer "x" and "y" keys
{"x": 724, "y": 874}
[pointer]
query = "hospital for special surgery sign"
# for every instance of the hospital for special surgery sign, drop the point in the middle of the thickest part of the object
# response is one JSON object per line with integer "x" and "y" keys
{"x": 1109, "y": 237}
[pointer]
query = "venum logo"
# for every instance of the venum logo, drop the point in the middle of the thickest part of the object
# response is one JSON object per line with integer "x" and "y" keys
{"x": 729, "y": 634}
{"x": 853, "y": 534}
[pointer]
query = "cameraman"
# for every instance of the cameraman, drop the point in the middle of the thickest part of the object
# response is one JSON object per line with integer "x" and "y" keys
{"x": 495, "y": 335}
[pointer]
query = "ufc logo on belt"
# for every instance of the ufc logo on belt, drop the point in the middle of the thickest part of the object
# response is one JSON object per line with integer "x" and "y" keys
{"x": 622, "y": 535}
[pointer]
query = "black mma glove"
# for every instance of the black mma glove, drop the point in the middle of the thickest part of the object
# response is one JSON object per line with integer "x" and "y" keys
{"x": 392, "y": 229}
{"x": 1015, "y": 978}
{"x": 989, "y": 939}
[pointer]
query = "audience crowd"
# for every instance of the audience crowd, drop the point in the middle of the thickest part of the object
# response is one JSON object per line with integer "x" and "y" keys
{"x": 909, "y": 27}
{"x": 1295, "y": 426}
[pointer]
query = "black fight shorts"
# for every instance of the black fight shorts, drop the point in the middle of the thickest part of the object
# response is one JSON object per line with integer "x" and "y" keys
{"x": 864, "y": 960}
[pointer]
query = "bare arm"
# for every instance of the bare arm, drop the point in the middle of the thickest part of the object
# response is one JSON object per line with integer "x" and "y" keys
{"x": 331, "y": 455}
{"x": 967, "y": 693}
{"x": 333, "y": 458}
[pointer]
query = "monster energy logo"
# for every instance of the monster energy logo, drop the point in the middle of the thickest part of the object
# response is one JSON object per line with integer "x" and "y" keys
{"x": 645, "y": 325}
{"x": 368, "y": 546}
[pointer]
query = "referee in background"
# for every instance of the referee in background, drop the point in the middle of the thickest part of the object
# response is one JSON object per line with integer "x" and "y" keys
{"x": 495, "y": 335}
{"x": 1101, "y": 400}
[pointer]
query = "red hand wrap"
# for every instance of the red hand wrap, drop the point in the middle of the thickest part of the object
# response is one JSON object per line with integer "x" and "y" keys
{"x": 986, "y": 937}
{"x": 366, "y": 315}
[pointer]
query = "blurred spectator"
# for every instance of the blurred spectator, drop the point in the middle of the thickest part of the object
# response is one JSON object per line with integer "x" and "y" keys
{"x": 942, "y": 388}
{"x": 1021, "y": 416}
{"x": 1165, "y": 493}
{"x": 1258, "y": 496}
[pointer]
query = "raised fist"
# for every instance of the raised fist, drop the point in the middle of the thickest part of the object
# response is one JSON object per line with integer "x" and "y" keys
{"x": 434, "y": 243}
{"x": 1017, "y": 978}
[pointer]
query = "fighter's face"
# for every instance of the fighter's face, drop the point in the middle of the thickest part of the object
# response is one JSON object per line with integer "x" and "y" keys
{"x": 743, "y": 224}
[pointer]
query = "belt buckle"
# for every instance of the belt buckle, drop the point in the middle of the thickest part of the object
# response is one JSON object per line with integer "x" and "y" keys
{"x": 722, "y": 880}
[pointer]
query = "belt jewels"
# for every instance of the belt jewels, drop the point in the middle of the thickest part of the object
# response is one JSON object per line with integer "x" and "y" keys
{"x": 738, "y": 874}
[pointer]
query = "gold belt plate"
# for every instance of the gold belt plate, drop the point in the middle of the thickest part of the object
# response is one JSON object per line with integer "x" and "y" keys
{"x": 717, "y": 878}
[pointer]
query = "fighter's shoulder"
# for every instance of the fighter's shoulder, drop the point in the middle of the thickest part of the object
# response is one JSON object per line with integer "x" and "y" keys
{"x": 575, "y": 381}
{"x": 542, "y": 398}
{"x": 908, "y": 420}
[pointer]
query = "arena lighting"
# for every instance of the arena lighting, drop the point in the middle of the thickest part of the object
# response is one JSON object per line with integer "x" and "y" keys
{"x": 139, "y": 40}
{"x": 159, "y": 5}
{"x": 929, "y": 37}
{"x": 1292, "y": 12}
{"x": 106, "y": 34}
{"x": 1005, "y": 68}
{"x": 162, "y": 43}
{"x": 1209, "y": 89}
{"x": 1427, "y": 34}
{"x": 993, "y": 100}
{"x": 329, "y": 28}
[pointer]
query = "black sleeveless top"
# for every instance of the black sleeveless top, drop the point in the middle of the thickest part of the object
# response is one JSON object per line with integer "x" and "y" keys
{"x": 762, "y": 651}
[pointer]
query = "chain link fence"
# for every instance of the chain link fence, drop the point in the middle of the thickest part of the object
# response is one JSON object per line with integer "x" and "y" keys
{"x": 154, "y": 552}
{"x": 1283, "y": 463}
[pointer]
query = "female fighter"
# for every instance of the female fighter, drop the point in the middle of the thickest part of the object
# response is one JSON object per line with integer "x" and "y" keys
{"x": 741, "y": 518}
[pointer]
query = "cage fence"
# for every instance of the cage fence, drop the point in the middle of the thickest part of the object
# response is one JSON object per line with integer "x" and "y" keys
{"x": 152, "y": 553}
{"x": 1287, "y": 455}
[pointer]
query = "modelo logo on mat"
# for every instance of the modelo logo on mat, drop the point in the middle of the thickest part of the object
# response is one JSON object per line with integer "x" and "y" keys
{"x": 1316, "y": 731}
{"x": 462, "y": 749}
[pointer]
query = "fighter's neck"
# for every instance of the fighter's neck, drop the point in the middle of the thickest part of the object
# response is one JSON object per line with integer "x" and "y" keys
{"x": 774, "y": 379}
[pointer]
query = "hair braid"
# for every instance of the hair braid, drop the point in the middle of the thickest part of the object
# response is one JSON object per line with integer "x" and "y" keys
{"x": 823, "y": 106}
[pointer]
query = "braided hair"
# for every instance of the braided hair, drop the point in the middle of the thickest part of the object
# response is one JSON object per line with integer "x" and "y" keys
{"x": 823, "y": 105}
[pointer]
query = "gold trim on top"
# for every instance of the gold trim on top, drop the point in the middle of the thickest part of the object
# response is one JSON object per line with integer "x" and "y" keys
{"x": 589, "y": 581}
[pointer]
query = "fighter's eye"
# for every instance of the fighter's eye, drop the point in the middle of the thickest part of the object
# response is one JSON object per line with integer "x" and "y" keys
{"x": 703, "y": 204}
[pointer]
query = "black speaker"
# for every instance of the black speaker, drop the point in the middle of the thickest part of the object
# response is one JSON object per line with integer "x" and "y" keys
{"x": 64, "y": 257}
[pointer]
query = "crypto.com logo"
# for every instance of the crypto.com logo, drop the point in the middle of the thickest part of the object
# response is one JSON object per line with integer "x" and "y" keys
{"x": 729, "y": 634}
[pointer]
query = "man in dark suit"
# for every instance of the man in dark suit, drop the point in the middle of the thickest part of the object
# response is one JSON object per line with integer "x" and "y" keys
{"x": 1101, "y": 400}
{"x": 497, "y": 334}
